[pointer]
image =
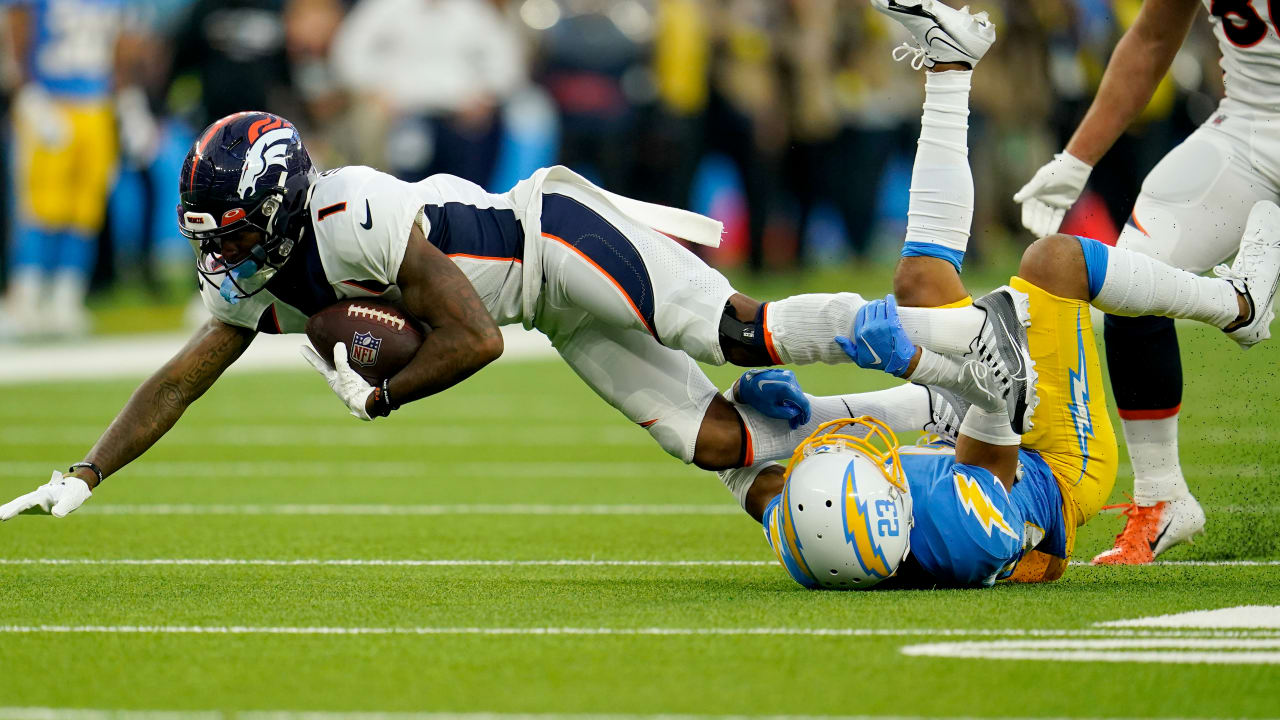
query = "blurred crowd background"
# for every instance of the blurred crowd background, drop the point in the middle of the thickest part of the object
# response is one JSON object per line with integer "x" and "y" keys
{"x": 787, "y": 119}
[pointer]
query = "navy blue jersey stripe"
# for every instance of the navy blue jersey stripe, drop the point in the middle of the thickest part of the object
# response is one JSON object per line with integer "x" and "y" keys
{"x": 301, "y": 281}
{"x": 584, "y": 230}
{"x": 461, "y": 229}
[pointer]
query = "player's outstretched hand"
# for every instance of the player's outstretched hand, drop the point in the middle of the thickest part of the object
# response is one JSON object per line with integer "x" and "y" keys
{"x": 774, "y": 393}
{"x": 1051, "y": 192}
{"x": 345, "y": 382}
{"x": 61, "y": 495}
{"x": 879, "y": 342}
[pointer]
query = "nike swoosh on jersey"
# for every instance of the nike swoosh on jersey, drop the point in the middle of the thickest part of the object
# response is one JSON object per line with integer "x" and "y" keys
{"x": 368, "y": 217}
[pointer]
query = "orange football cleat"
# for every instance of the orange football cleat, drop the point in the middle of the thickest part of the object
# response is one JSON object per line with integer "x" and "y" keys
{"x": 1152, "y": 529}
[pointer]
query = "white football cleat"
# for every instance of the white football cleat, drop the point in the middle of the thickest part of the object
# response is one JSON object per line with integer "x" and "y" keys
{"x": 946, "y": 413}
{"x": 1255, "y": 272}
{"x": 1152, "y": 529}
{"x": 942, "y": 33}
{"x": 1002, "y": 354}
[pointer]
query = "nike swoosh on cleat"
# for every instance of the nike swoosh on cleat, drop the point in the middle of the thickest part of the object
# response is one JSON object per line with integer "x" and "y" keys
{"x": 942, "y": 38}
{"x": 1156, "y": 542}
{"x": 368, "y": 217}
{"x": 872, "y": 350}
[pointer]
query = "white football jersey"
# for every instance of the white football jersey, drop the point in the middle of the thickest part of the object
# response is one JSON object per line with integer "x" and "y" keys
{"x": 1250, "y": 43}
{"x": 361, "y": 220}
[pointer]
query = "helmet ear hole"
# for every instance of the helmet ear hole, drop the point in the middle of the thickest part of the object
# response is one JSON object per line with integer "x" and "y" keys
{"x": 800, "y": 507}
{"x": 828, "y": 503}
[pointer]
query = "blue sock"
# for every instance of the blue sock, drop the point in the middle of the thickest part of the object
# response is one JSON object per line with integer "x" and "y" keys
{"x": 934, "y": 250}
{"x": 1095, "y": 261}
{"x": 77, "y": 252}
{"x": 33, "y": 248}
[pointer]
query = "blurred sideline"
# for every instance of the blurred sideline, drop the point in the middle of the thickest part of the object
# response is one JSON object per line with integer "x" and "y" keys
{"x": 125, "y": 356}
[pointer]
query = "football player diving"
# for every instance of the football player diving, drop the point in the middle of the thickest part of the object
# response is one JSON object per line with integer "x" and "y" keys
{"x": 627, "y": 307}
{"x": 979, "y": 502}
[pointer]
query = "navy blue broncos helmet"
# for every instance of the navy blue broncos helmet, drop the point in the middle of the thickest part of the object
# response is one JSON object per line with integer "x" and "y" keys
{"x": 246, "y": 171}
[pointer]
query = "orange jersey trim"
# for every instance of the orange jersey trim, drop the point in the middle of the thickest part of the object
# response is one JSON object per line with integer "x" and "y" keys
{"x": 624, "y": 294}
{"x": 1149, "y": 414}
{"x": 768, "y": 338}
{"x": 469, "y": 256}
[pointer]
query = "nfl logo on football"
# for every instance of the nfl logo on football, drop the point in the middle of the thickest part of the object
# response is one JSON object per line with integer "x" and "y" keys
{"x": 364, "y": 348}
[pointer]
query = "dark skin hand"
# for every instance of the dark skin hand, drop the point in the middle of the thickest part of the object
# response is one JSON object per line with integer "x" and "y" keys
{"x": 159, "y": 401}
{"x": 463, "y": 337}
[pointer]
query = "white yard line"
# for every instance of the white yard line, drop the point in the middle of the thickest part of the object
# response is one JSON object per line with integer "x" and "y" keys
{"x": 50, "y": 713}
{"x": 140, "y": 355}
{"x": 1165, "y": 650}
{"x": 1243, "y": 616}
{"x": 634, "y": 631}
{"x": 384, "y": 510}
{"x": 374, "y": 469}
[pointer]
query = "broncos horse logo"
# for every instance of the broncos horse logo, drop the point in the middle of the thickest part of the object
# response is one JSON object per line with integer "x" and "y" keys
{"x": 269, "y": 148}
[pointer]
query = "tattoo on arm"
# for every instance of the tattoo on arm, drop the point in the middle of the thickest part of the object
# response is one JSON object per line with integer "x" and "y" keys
{"x": 158, "y": 403}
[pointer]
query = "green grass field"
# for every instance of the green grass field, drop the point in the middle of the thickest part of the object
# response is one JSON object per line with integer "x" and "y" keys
{"x": 519, "y": 547}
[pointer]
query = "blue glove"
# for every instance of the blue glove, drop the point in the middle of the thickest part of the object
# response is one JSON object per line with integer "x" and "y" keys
{"x": 879, "y": 342}
{"x": 775, "y": 393}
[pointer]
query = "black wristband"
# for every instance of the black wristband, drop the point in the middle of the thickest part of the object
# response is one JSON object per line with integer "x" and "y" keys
{"x": 382, "y": 405}
{"x": 86, "y": 464}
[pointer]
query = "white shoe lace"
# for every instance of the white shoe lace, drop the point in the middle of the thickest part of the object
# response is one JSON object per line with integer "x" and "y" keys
{"x": 906, "y": 49}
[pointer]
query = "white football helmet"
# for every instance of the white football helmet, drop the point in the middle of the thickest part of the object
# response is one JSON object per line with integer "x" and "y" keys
{"x": 843, "y": 519}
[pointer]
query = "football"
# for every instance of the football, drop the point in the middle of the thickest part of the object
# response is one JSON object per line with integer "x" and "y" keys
{"x": 381, "y": 337}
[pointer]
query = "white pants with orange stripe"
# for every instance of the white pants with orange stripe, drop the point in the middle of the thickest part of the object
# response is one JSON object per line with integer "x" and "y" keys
{"x": 1194, "y": 203}
{"x": 631, "y": 311}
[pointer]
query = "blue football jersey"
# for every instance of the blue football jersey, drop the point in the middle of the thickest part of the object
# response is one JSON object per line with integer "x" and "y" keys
{"x": 970, "y": 531}
{"x": 73, "y": 45}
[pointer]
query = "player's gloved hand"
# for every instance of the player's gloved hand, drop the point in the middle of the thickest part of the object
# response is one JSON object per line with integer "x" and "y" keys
{"x": 1051, "y": 192}
{"x": 879, "y": 342}
{"x": 37, "y": 113}
{"x": 345, "y": 382}
{"x": 61, "y": 495}
{"x": 775, "y": 393}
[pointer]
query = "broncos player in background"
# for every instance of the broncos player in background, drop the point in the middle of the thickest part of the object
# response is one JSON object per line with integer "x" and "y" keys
{"x": 987, "y": 503}
{"x": 64, "y": 155}
{"x": 1190, "y": 214}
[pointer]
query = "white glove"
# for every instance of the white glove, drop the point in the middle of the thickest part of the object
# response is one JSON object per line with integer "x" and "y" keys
{"x": 1054, "y": 188}
{"x": 345, "y": 382}
{"x": 59, "y": 496}
{"x": 37, "y": 113}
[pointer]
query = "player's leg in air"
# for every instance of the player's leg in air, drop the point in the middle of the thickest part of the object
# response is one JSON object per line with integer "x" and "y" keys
{"x": 1059, "y": 276}
{"x": 631, "y": 311}
{"x": 1191, "y": 214}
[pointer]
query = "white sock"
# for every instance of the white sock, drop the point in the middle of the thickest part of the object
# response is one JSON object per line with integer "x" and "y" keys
{"x": 940, "y": 210}
{"x": 1153, "y": 449}
{"x": 740, "y": 480}
{"x": 944, "y": 330}
{"x": 950, "y": 373}
{"x": 991, "y": 428}
{"x": 1136, "y": 285}
{"x": 802, "y": 329}
{"x": 904, "y": 409}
